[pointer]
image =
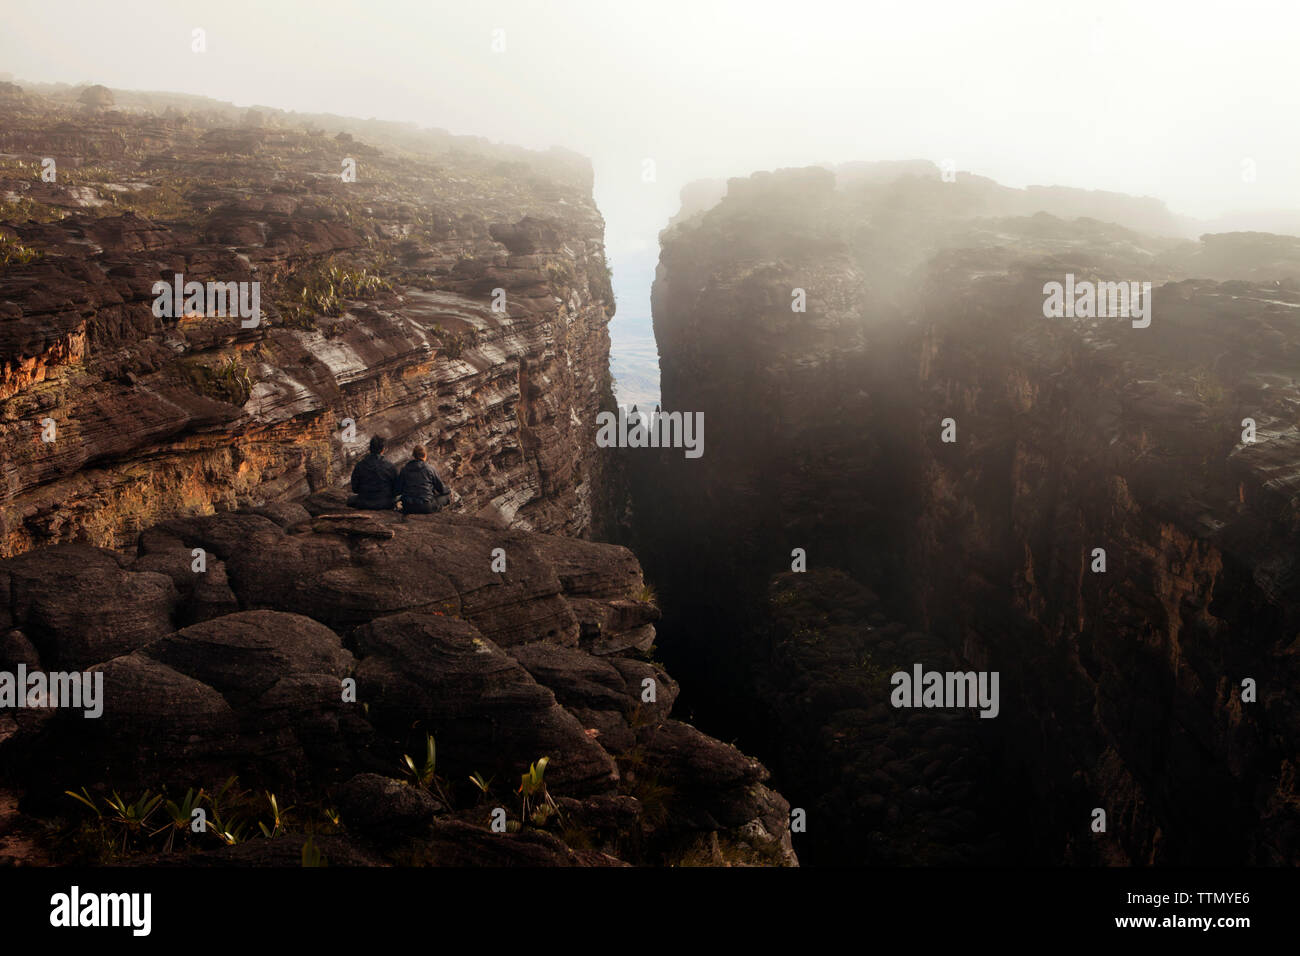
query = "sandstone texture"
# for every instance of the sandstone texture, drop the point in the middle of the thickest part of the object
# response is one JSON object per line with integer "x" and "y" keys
{"x": 454, "y": 295}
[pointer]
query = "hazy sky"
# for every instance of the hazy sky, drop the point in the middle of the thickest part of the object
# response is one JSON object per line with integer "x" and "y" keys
{"x": 1157, "y": 98}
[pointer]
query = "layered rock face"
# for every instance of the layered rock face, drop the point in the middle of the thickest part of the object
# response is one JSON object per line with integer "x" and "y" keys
{"x": 1121, "y": 689}
{"x": 173, "y": 525}
{"x": 453, "y": 294}
{"x": 316, "y": 646}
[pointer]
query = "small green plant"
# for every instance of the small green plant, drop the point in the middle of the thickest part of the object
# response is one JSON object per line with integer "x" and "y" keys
{"x": 85, "y": 798}
{"x": 228, "y": 824}
{"x": 163, "y": 202}
{"x": 25, "y": 209}
{"x": 322, "y": 290}
{"x": 229, "y": 381}
{"x": 424, "y": 775}
{"x": 233, "y": 379}
{"x": 229, "y": 814}
{"x": 454, "y": 344}
{"x": 181, "y": 815}
{"x": 311, "y": 854}
{"x": 484, "y": 786}
{"x": 537, "y": 805}
{"x": 229, "y": 832}
{"x": 131, "y": 817}
{"x": 277, "y": 827}
{"x": 13, "y": 252}
{"x": 321, "y": 299}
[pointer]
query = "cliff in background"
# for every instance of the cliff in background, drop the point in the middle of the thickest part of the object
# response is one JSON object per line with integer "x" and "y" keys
{"x": 376, "y": 299}
{"x": 1120, "y": 690}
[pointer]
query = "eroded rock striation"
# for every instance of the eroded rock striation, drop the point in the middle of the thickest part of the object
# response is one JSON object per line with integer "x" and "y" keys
{"x": 173, "y": 522}
{"x": 453, "y": 294}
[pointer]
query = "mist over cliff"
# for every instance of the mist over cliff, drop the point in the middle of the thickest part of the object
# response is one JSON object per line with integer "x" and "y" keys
{"x": 956, "y": 534}
{"x": 909, "y": 463}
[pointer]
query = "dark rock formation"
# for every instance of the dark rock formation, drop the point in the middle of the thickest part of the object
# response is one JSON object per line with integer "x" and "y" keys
{"x": 1121, "y": 690}
{"x": 245, "y": 668}
{"x": 385, "y": 809}
{"x": 911, "y": 787}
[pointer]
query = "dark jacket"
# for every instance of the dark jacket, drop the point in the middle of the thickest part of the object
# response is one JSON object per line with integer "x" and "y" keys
{"x": 375, "y": 479}
{"x": 419, "y": 482}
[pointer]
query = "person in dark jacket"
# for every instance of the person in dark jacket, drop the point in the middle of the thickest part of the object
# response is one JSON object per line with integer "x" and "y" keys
{"x": 374, "y": 480}
{"x": 421, "y": 489}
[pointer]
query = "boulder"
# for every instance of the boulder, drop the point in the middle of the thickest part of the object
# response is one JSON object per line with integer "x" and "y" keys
{"x": 79, "y": 606}
{"x": 385, "y": 809}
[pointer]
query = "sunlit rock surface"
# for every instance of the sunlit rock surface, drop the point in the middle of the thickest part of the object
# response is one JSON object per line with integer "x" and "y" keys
{"x": 154, "y": 417}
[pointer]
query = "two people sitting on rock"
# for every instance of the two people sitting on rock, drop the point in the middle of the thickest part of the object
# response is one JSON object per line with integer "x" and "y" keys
{"x": 377, "y": 484}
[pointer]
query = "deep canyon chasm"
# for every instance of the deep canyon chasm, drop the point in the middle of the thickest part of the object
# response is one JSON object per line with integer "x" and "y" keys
{"x": 1120, "y": 690}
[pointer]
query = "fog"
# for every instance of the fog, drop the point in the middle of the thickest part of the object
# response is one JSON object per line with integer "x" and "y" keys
{"x": 1162, "y": 99}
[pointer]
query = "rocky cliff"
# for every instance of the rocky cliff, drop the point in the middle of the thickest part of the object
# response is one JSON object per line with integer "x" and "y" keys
{"x": 1122, "y": 688}
{"x": 314, "y": 647}
{"x": 476, "y": 687}
{"x": 453, "y": 294}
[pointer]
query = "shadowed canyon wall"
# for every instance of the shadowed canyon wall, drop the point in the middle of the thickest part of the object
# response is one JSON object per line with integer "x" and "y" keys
{"x": 1121, "y": 689}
